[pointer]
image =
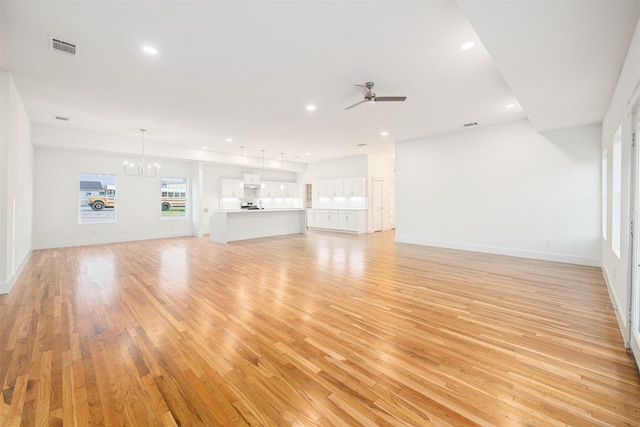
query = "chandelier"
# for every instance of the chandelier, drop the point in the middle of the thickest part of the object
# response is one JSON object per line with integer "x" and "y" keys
{"x": 141, "y": 169}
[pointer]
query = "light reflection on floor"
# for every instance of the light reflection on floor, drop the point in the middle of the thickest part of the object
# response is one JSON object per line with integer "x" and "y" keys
{"x": 174, "y": 268}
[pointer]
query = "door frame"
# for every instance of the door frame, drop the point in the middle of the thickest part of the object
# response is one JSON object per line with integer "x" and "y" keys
{"x": 392, "y": 205}
{"x": 632, "y": 337}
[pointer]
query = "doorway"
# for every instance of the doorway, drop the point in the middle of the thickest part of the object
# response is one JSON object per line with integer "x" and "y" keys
{"x": 378, "y": 204}
{"x": 308, "y": 196}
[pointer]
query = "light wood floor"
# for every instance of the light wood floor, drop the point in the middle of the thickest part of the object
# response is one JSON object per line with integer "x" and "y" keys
{"x": 304, "y": 330}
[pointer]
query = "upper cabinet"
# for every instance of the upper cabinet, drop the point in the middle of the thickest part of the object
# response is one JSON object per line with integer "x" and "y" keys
{"x": 272, "y": 189}
{"x": 354, "y": 187}
{"x": 251, "y": 179}
{"x": 319, "y": 188}
{"x": 232, "y": 188}
{"x": 335, "y": 188}
{"x": 292, "y": 190}
{"x": 340, "y": 187}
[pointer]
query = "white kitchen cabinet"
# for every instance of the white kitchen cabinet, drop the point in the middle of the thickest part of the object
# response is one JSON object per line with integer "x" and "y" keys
{"x": 351, "y": 221}
{"x": 314, "y": 218}
{"x": 319, "y": 188}
{"x": 348, "y": 221}
{"x": 354, "y": 187}
{"x": 335, "y": 187}
{"x": 270, "y": 189}
{"x": 340, "y": 187}
{"x": 329, "y": 219}
{"x": 279, "y": 190}
{"x": 251, "y": 179}
{"x": 291, "y": 190}
{"x": 231, "y": 188}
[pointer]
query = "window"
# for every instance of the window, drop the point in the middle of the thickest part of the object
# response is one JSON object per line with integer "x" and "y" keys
{"x": 173, "y": 193}
{"x": 97, "y": 195}
{"x": 616, "y": 192}
{"x": 604, "y": 194}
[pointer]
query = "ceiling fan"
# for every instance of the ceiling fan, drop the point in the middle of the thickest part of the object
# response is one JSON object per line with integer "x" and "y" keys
{"x": 370, "y": 97}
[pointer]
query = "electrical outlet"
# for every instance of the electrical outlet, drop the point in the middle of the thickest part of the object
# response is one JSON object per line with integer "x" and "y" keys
{"x": 547, "y": 242}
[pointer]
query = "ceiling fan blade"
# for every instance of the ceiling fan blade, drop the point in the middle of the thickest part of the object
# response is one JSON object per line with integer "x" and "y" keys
{"x": 390, "y": 98}
{"x": 357, "y": 103}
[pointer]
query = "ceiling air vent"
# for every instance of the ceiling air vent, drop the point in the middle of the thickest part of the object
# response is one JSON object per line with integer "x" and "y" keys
{"x": 470, "y": 124}
{"x": 62, "y": 46}
{"x": 64, "y": 119}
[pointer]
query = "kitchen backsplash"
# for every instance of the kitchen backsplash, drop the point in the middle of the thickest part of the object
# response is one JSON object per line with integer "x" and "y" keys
{"x": 252, "y": 196}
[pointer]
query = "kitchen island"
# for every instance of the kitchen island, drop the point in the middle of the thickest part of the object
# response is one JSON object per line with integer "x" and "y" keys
{"x": 243, "y": 224}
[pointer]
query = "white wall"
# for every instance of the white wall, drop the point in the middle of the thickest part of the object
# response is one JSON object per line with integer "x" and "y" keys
{"x": 337, "y": 168}
{"x": 617, "y": 269}
{"x": 197, "y": 195}
{"x": 56, "y": 180}
{"x": 16, "y": 183}
{"x": 503, "y": 189}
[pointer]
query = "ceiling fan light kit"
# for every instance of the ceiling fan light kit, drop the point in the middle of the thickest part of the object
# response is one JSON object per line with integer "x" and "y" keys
{"x": 370, "y": 98}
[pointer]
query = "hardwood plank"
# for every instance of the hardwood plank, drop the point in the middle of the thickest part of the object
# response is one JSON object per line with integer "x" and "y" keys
{"x": 316, "y": 329}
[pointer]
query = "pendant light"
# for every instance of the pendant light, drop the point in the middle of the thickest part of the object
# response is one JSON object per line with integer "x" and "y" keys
{"x": 141, "y": 169}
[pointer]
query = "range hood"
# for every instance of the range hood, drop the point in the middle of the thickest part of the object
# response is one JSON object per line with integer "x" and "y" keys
{"x": 251, "y": 180}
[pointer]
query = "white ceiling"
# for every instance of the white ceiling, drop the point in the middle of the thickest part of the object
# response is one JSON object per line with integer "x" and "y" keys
{"x": 247, "y": 70}
{"x": 561, "y": 58}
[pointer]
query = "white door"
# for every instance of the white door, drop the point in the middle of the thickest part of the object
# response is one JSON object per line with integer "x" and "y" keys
{"x": 378, "y": 204}
{"x": 634, "y": 297}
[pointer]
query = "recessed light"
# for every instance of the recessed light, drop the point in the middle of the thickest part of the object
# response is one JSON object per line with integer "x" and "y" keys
{"x": 204, "y": 148}
{"x": 311, "y": 107}
{"x": 361, "y": 145}
{"x": 229, "y": 140}
{"x": 467, "y": 45}
{"x": 307, "y": 154}
{"x": 384, "y": 133}
{"x": 509, "y": 105}
{"x": 150, "y": 50}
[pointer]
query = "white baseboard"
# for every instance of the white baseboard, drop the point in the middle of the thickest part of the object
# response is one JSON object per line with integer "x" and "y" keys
{"x": 103, "y": 240}
{"x": 635, "y": 349}
{"x": 544, "y": 256}
{"x": 5, "y": 287}
{"x": 620, "y": 317}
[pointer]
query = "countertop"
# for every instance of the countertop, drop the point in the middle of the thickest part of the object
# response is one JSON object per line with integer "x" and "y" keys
{"x": 257, "y": 210}
{"x": 338, "y": 209}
